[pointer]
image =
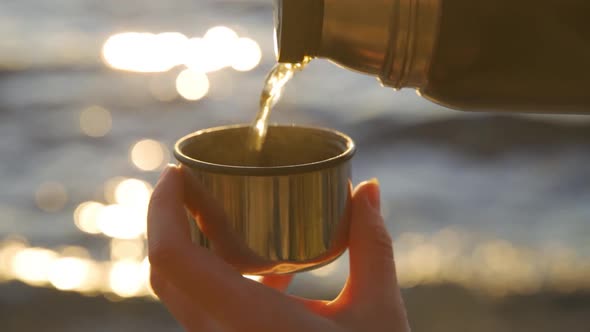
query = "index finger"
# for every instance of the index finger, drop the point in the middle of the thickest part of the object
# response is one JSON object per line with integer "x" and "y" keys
{"x": 170, "y": 248}
{"x": 219, "y": 288}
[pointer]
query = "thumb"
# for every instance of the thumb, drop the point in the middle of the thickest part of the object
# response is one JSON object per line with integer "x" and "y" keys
{"x": 372, "y": 269}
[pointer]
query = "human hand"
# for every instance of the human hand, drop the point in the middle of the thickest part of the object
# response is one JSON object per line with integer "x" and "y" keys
{"x": 206, "y": 294}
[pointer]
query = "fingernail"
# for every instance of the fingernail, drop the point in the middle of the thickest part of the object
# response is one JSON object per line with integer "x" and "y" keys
{"x": 166, "y": 170}
{"x": 374, "y": 193}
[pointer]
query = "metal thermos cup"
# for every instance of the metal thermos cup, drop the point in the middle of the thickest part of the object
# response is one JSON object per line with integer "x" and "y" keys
{"x": 282, "y": 210}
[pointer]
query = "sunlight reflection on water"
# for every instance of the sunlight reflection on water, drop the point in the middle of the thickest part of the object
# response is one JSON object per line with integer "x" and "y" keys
{"x": 450, "y": 255}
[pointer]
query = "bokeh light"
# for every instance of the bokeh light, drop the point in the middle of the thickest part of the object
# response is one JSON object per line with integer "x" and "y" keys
{"x": 86, "y": 217}
{"x": 126, "y": 278}
{"x": 51, "y": 196}
{"x": 127, "y": 249}
{"x": 32, "y": 265}
{"x": 74, "y": 251}
{"x": 213, "y": 52}
{"x": 8, "y": 251}
{"x": 198, "y": 56}
{"x": 69, "y": 273}
{"x": 148, "y": 155}
{"x": 425, "y": 261}
{"x": 127, "y": 218}
{"x": 192, "y": 85}
{"x": 494, "y": 266}
{"x": 247, "y": 55}
{"x": 124, "y": 51}
{"x": 219, "y": 48}
{"x": 170, "y": 47}
{"x": 122, "y": 222}
{"x": 94, "y": 280}
{"x": 133, "y": 192}
{"x": 95, "y": 121}
{"x": 110, "y": 187}
{"x": 221, "y": 34}
{"x": 144, "y": 52}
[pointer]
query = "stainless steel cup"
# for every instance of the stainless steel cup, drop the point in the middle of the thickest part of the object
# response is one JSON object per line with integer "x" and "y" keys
{"x": 282, "y": 210}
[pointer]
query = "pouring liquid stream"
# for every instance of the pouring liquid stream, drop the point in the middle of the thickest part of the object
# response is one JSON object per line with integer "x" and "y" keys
{"x": 274, "y": 85}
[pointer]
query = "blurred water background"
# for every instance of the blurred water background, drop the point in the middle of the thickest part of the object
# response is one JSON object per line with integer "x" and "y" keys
{"x": 497, "y": 205}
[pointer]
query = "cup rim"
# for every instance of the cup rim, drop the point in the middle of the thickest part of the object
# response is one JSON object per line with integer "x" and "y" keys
{"x": 344, "y": 156}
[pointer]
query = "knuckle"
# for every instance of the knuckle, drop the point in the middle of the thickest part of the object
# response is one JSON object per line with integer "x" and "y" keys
{"x": 160, "y": 255}
{"x": 384, "y": 241}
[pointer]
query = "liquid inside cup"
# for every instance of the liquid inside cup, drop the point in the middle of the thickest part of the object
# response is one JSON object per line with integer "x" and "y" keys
{"x": 285, "y": 146}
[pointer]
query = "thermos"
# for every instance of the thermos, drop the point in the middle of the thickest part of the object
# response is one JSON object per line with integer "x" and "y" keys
{"x": 474, "y": 55}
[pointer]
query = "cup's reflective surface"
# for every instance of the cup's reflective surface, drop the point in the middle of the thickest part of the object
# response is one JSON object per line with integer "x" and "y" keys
{"x": 283, "y": 210}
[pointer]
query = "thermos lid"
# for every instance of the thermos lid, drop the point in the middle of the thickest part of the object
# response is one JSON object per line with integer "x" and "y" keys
{"x": 298, "y": 29}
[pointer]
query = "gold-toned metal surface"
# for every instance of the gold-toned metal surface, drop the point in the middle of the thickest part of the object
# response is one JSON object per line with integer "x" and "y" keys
{"x": 285, "y": 210}
{"x": 393, "y": 40}
{"x": 414, "y": 33}
{"x": 356, "y": 34}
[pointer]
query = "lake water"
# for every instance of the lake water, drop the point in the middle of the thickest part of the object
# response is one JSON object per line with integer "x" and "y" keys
{"x": 495, "y": 185}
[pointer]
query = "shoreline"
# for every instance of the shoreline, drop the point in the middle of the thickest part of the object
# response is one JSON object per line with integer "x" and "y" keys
{"x": 441, "y": 308}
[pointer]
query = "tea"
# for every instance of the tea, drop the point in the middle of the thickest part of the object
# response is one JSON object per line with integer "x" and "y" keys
{"x": 274, "y": 85}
